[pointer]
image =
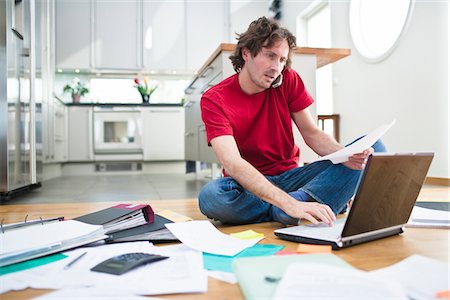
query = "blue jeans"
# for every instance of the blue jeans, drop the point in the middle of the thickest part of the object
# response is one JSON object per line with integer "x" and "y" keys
{"x": 226, "y": 200}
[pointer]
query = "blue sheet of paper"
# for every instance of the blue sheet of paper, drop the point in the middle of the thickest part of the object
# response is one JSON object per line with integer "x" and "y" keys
{"x": 224, "y": 263}
{"x": 37, "y": 262}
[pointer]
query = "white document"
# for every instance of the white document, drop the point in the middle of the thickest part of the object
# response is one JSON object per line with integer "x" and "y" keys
{"x": 425, "y": 217}
{"x": 34, "y": 241}
{"x": 359, "y": 146}
{"x": 422, "y": 277}
{"x": 317, "y": 281}
{"x": 203, "y": 236}
{"x": 91, "y": 293}
{"x": 40, "y": 236}
{"x": 182, "y": 273}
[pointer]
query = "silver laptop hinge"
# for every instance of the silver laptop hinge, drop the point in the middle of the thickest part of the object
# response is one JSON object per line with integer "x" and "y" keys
{"x": 370, "y": 233}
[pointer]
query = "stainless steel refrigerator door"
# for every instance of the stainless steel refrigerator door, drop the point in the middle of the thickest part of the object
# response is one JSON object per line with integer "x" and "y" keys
{"x": 17, "y": 137}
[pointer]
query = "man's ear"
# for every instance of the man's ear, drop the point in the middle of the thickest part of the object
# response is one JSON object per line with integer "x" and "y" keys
{"x": 245, "y": 54}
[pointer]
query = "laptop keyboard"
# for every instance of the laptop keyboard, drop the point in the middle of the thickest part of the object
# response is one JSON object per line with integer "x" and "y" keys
{"x": 323, "y": 231}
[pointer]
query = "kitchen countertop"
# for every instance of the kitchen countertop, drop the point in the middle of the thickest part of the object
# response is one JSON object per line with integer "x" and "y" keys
{"x": 126, "y": 104}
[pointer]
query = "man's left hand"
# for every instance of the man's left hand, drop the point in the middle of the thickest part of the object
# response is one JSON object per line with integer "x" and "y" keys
{"x": 358, "y": 161}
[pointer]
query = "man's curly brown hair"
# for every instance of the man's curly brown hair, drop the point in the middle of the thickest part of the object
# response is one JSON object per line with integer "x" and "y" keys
{"x": 261, "y": 33}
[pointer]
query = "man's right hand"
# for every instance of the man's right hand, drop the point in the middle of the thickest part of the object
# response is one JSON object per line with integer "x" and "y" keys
{"x": 314, "y": 212}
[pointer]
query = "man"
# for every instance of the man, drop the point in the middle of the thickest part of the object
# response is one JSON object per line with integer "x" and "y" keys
{"x": 248, "y": 119}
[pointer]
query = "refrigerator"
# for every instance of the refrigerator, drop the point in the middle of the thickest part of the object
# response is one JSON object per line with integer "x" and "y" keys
{"x": 20, "y": 114}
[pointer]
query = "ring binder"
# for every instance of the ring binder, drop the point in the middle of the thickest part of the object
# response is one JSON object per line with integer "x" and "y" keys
{"x": 25, "y": 223}
{"x": 47, "y": 239}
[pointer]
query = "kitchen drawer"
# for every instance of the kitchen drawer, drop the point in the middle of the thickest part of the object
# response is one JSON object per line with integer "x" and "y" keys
{"x": 191, "y": 144}
{"x": 206, "y": 153}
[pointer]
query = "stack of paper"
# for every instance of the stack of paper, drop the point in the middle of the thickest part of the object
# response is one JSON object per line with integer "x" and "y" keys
{"x": 29, "y": 242}
{"x": 432, "y": 218}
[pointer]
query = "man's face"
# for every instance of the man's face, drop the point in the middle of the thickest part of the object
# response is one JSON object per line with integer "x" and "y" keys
{"x": 265, "y": 67}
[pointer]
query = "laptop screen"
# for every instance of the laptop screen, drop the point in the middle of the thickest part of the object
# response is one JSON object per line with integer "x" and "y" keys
{"x": 387, "y": 191}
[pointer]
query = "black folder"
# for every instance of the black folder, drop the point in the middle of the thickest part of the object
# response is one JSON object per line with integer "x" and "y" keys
{"x": 155, "y": 232}
{"x": 120, "y": 217}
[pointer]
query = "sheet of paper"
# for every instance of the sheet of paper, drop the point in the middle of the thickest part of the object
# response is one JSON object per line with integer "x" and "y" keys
{"x": 32, "y": 263}
{"x": 182, "y": 273}
{"x": 316, "y": 281}
{"x": 247, "y": 235}
{"x": 224, "y": 263}
{"x": 173, "y": 216}
{"x": 203, "y": 236}
{"x": 359, "y": 146}
{"x": 91, "y": 294}
{"x": 308, "y": 248}
{"x": 422, "y": 277}
{"x": 223, "y": 276}
{"x": 425, "y": 217}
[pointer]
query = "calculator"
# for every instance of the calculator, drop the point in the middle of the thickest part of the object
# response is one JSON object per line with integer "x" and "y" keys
{"x": 123, "y": 263}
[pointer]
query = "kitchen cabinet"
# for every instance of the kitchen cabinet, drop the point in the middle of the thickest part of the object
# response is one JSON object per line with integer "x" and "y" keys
{"x": 80, "y": 131}
{"x": 117, "y": 34}
{"x": 164, "y": 35}
{"x": 192, "y": 123}
{"x": 54, "y": 133}
{"x": 163, "y": 129}
{"x": 206, "y": 27}
{"x": 73, "y": 34}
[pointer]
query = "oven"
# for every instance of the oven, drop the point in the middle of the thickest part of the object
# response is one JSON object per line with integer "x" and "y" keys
{"x": 117, "y": 130}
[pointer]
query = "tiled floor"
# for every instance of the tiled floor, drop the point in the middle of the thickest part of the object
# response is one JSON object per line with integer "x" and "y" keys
{"x": 73, "y": 189}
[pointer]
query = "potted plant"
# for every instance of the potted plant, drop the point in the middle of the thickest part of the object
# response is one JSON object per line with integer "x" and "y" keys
{"x": 144, "y": 89}
{"x": 77, "y": 89}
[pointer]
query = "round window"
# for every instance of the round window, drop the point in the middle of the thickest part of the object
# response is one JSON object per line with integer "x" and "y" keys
{"x": 376, "y": 25}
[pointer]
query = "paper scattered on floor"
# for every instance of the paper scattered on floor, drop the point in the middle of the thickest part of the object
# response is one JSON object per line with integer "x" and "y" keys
{"x": 432, "y": 218}
{"x": 203, "y": 236}
{"x": 316, "y": 281}
{"x": 421, "y": 276}
{"x": 308, "y": 248}
{"x": 247, "y": 235}
{"x": 182, "y": 273}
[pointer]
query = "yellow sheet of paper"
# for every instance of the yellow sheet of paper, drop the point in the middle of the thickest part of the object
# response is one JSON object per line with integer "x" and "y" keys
{"x": 247, "y": 235}
{"x": 173, "y": 216}
{"x": 307, "y": 248}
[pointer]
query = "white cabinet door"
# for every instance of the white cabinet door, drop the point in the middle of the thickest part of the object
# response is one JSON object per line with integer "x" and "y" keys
{"x": 117, "y": 34}
{"x": 164, "y": 35}
{"x": 163, "y": 129}
{"x": 60, "y": 131}
{"x": 73, "y": 34}
{"x": 206, "y": 29}
{"x": 54, "y": 131}
{"x": 80, "y": 134}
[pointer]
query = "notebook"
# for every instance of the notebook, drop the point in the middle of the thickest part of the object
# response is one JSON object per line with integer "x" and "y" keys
{"x": 385, "y": 196}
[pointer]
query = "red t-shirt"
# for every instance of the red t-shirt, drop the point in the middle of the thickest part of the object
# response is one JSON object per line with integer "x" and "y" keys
{"x": 261, "y": 123}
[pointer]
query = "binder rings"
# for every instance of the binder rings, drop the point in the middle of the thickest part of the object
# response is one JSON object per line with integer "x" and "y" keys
{"x": 29, "y": 242}
{"x": 120, "y": 217}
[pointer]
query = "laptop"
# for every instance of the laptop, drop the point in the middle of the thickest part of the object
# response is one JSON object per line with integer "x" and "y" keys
{"x": 385, "y": 196}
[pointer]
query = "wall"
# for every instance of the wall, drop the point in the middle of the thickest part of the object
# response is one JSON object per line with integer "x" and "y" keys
{"x": 411, "y": 85}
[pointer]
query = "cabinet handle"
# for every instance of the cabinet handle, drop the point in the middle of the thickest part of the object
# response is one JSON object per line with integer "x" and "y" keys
{"x": 164, "y": 111}
{"x": 189, "y": 104}
{"x": 207, "y": 71}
